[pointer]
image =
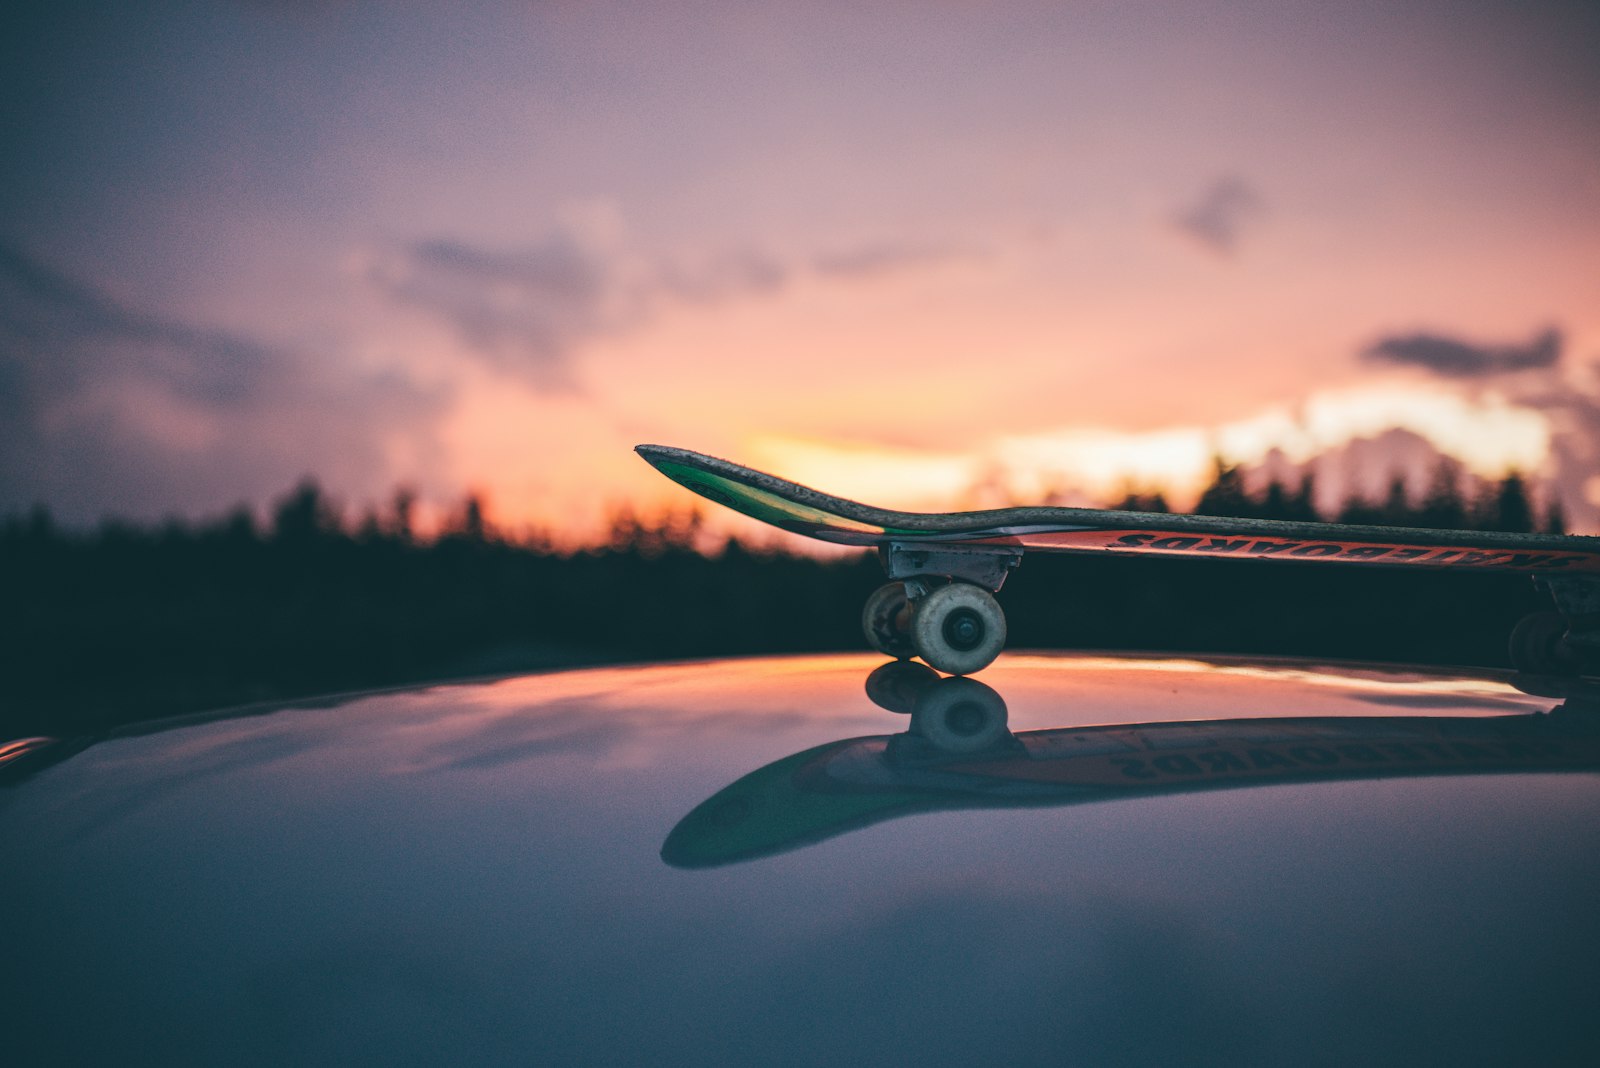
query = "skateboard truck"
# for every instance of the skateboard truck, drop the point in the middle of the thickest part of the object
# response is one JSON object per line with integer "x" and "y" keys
{"x": 981, "y": 565}
{"x": 1565, "y": 641}
{"x": 938, "y": 604}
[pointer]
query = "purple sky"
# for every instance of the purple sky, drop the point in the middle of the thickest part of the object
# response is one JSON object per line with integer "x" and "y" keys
{"x": 919, "y": 253}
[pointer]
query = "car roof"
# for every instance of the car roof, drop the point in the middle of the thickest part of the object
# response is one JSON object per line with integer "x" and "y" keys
{"x": 489, "y": 871}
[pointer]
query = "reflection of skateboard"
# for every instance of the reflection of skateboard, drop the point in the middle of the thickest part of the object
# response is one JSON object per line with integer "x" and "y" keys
{"x": 945, "y": 566}
{"x": 957, "y": 753}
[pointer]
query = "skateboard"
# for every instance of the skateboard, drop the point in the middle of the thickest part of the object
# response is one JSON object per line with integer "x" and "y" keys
{"x": 958, "y": 753}
{"x": 945, "y": 567}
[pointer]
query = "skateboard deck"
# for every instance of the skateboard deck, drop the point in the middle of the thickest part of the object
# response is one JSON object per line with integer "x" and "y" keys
{"x": 802, "y": 510}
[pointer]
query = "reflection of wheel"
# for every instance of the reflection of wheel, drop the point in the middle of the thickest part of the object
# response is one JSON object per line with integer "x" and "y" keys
{"x": 886, "y": 621}
{"x": 897, "y": 684}
{"x": 1539, "y": 645}
{"x": 960, "y": 716}
{"x": 958, "y": 628}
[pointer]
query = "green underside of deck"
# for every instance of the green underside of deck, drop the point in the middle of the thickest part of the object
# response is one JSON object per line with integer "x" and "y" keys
{"x": 767, "y": 506}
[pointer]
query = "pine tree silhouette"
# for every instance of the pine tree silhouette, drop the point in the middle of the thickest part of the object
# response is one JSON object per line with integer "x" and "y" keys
{"x": 1303, "y": 504}
{"x": 305, "y": 515}
{"x": 1226, "y": 495}
{"x": 1555, "y": 517}
{"x": 1133, "y": 501}
{"x": 1397, "y": 511}
{"x": 1443, "y": 506}
{"x": 1513, "y": 512}
{"x": 1276, "y": 503}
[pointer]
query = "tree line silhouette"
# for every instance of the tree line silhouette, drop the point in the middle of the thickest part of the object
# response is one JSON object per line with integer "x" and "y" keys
{"x": 129, "y": 622}
{"x": 1488, "y": 504}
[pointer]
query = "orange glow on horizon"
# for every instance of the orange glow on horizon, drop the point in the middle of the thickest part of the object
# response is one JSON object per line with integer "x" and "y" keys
{"x": 1082, "y": 466}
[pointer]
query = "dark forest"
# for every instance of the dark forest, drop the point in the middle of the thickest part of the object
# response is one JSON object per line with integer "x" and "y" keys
{"x": 125, "y": 623}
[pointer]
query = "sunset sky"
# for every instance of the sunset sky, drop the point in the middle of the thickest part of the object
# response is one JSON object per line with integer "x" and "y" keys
{"x": 929, "y": 255}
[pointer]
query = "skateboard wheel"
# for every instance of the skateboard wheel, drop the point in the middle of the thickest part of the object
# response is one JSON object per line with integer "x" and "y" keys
{"x": 958, "y": 628}
{"x": 886, "y": 621}
{"x": 959, "y": 715}
{"x": 897, "y": 684}
{"x": 1539, "y": 645}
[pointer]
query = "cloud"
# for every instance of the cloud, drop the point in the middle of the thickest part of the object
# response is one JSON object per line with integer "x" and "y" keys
{"x": 41, "y": 308}
{"x": 887, "y": 257}
{"x": 1221, "y": 215}
{"x": 522, "y": 311}
{"x": 1454, "y": 358}
{"x": 108, "y": 408}
{"x": 1565, "y": 395}
{"x": 744, "y": 272}
{"x": 527, "y": 311}
{"x": 1571, "y": 402}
